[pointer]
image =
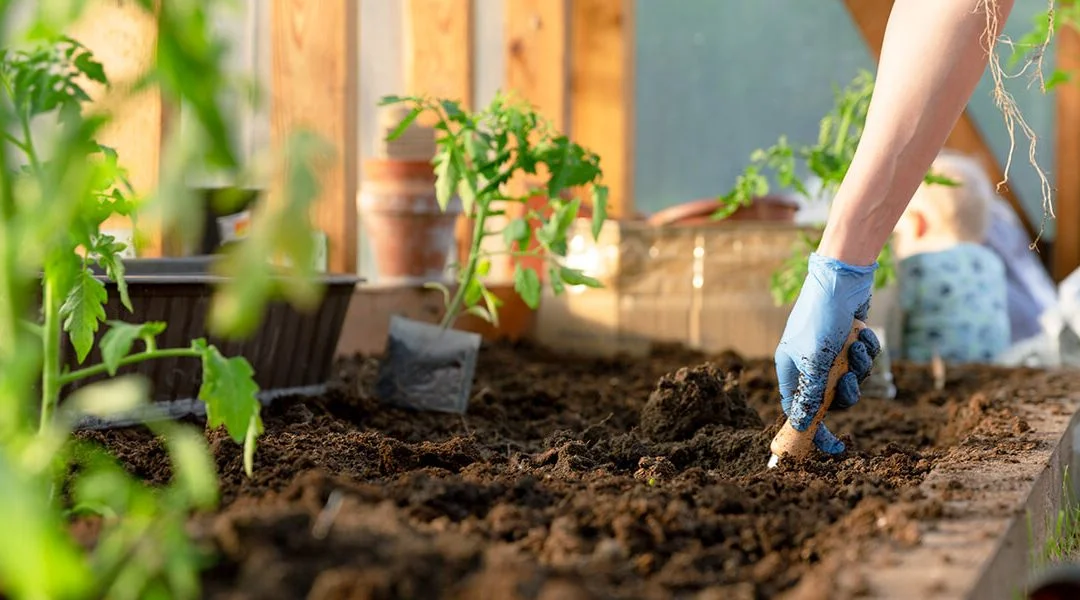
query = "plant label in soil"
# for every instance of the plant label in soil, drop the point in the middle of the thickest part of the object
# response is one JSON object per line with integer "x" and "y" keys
{"x": 427, "y": 367}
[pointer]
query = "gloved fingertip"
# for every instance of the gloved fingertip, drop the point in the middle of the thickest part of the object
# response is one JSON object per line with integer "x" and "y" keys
{"x": 870, "y": 339}
{"x": 827, "y": 442}
{"x": 859, "y": 361}
{"x": 847, "y": 391}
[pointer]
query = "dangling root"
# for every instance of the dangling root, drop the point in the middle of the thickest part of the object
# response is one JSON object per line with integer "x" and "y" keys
{"x": 1007, "y": 104}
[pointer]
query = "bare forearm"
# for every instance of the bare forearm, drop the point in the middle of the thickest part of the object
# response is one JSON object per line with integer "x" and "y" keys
{"x": 933, "y": 56}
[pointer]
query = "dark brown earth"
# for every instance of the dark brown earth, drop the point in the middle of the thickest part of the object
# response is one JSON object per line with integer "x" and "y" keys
{"x": 580, "y": 479}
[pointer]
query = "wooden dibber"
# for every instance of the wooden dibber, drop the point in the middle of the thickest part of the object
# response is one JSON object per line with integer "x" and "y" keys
{"x": 798, "y": 444}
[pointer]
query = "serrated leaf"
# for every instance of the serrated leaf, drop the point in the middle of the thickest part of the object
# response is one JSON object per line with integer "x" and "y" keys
{"x": 117, "y": 341}
{"x": 83, "y": 310}
{"x": 527, "y": 285}
{"x": 229, "y": 391}
{"x": 599, "y": 209}
{"x": 576, "y": 277}
{"x": 108, "y": 256}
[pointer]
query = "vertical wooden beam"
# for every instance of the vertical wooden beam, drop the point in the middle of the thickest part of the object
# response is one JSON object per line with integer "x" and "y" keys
{"x": 871, "y": 17}
{"x": 123, "y": 37}
{"x": 536, "y": 55}
{"x": 438, "y": 49}
{"x": 1066, "y": 250}
{"x": 314, "y": 85}
{"x": 602, "y": 91}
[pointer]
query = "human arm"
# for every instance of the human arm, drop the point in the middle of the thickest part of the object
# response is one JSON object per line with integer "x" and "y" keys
{"x": 934, "y": 53}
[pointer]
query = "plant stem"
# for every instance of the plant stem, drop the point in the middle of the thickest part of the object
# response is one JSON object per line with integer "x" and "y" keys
{"x": 50, "y": 345}
{"x": 454, "y": 307}
{"x": 129, "y": 360}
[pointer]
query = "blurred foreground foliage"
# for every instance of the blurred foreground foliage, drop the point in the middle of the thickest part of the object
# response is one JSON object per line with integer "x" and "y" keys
{"x": 58, "y": 186}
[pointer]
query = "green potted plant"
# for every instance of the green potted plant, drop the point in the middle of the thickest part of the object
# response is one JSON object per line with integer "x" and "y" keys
{"x": 828, "y": 159}
{"x": 482, "y": 158}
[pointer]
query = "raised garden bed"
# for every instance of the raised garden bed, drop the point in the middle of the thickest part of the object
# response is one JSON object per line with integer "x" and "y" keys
{"x": 563, "y": 481}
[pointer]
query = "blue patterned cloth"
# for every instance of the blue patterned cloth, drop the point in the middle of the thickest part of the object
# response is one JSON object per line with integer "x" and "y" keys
{"x": 954, "y": 301}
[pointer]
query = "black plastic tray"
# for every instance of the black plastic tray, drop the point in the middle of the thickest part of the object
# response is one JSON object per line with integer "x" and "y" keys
{"x": 291, "y": 351}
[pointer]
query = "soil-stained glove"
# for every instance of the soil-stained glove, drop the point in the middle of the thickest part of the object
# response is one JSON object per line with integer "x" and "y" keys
{"x": 819, "y": 324}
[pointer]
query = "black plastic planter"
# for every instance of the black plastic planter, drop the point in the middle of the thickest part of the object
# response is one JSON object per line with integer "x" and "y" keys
{"x": 291, "y": 352}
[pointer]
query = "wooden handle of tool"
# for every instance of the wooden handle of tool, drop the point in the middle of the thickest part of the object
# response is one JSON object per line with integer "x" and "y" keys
{"x": 797, "y": 444}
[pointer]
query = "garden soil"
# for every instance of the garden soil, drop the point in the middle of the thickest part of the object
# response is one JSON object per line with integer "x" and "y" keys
{"x": 579, "y": 479}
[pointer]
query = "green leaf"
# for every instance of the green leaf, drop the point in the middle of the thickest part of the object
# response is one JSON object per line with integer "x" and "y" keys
{"x": 404, "y": 124}
{"x": 107, "y": 253}
{"x": 1057, "y": 78}
{"x": 229, "y": 391}
{"x": 517, "y": 232}
{"x": 434, "y": 285}
{"x": 93, "y": 70}
{"x": 566, "y": 214}
{"x": 446, "y": 178}
{"x": 493, "y": 303}
{"x": 481, "y": 312}
{"x": 466, "y": 189}
{"x": 110, "y": 397}
{"x": 387, "y": 100}
{"x": 577, "y": 277}
{"x": 527, "y": 285}
{"x": 483, "y": 266}
{"x": 599, "y": 209}
{"x": 474, "y": 290}
{"x": 83, "y": 310}
{"x": 194, "y": 471}
{"x": 117, "y": 341}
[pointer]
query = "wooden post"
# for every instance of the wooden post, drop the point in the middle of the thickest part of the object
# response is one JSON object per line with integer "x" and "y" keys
{"x": 536, "y": 55}
{"x": 602, "y": 92}
{"x": 438, "y": 49}
{"x": 123, "y": 37}
{"x": 314, "y": 85}
{"x": 871, "y": 17}
{"x": 1066, "y": 249}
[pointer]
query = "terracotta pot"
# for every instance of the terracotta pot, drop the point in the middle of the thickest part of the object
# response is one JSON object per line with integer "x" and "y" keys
{"x": 698, "y": 213}
{"x": 411, "y": 238}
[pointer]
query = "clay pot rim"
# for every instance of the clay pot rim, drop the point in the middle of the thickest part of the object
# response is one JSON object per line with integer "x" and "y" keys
{"x": 706, "y": 206}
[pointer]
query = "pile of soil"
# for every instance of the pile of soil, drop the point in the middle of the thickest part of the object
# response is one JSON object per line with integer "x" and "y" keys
{"x": 573, "y": 478}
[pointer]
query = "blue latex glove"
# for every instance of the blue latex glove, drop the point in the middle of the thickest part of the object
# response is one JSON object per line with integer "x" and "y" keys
{"x": 819, "y": 324}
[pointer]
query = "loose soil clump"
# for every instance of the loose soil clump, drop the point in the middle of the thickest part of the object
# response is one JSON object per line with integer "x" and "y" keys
{"x": 572, "y": 478}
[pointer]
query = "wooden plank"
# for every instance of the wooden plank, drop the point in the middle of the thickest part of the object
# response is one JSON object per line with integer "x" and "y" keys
{"x": 314, "y": 85}
{"x": 439, "y": 49}
{"x": 123, "y": 37}
{"x": 602, "y": 91}
{"x": 871, "y": 17}
{"x": 536, "y": 55}
{"x": 1066, "y": 249}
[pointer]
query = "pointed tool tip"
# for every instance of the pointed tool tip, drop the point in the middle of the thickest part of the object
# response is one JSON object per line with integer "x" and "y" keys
{"x": 773, "y": 461}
